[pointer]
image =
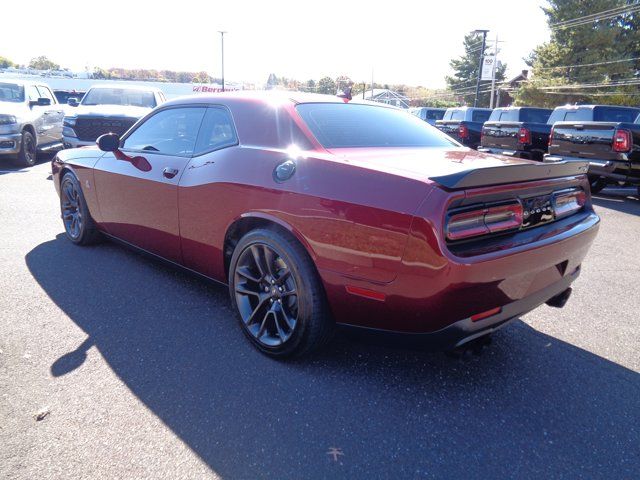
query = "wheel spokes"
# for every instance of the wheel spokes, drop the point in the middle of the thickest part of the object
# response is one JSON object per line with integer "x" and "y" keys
{"x": 266, "y": 295}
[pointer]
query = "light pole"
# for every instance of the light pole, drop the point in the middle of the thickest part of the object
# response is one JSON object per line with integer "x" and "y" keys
{"x": 222, "y": 42}
{"x": 484, "y": 44}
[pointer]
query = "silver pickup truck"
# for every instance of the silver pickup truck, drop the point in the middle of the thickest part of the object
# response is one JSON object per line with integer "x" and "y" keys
{"x": 30, "y": 121}
{"x": 107, "y": 109}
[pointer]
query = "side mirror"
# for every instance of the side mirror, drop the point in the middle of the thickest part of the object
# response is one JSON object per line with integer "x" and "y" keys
{"x": 73, "y": 102}
{"x": 41, "y": 102}
{"x": 109, "y": 142}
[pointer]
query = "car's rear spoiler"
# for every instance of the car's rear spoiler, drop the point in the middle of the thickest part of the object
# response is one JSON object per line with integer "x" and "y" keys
{"x": 481, "y": 177}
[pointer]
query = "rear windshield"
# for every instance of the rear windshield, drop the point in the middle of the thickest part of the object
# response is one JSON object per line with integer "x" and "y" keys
{"x": 615, "y": 114}
{"x": 454, "y": 114}
{"x": 11, "y": 92}
{"x": 433, "y": 114}
{"x": 529, "y": 115}
{"x": 480, "y": 116}
{"x": 119, "y": 96}
{"x": 339, "y": 125}
{"x": 596, "y": 114}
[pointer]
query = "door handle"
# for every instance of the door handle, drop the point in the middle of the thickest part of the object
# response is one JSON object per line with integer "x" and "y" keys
{"x": 170, "y": 172}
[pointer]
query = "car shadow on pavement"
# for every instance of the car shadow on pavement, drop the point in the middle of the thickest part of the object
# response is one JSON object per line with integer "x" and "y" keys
{"x": 532, "y": 406}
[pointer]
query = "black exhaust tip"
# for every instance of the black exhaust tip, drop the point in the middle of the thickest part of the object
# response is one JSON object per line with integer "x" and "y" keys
{"x": 560, "y": 300}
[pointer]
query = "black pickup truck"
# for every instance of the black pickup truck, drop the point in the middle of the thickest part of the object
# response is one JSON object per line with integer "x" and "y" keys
{"x": 464, "y": 124}
{"x": 520, "y": 132}
{"x": 608, "y": 137}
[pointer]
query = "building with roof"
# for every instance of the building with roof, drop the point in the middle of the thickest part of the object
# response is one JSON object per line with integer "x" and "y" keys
{"x": 389, "y": 97}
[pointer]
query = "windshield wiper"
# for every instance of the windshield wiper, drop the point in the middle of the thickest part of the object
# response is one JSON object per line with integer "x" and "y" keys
{"x": 151, "y": 148}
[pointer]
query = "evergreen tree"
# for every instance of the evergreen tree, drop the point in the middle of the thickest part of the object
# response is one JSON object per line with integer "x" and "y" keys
{"x": 577, "y": 52}
{"x": 465, "y": 68}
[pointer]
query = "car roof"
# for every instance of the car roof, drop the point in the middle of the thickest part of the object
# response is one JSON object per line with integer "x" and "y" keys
{"x": 269, "y": 96}
{"x": 125, "y": 86}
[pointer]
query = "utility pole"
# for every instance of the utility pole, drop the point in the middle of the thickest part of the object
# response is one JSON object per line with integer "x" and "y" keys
{"x": 484, "y": 44}
{"x": 493, "y": 73}
{"x": 222, "y": 41}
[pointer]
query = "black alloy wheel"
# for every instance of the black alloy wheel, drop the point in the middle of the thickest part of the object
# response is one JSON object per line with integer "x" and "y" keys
{"x": 28, "y": 150}
{"x": 266, "y": 295}
{"x": 70, "y": 206}
{"x": 278, "y": 295}
{"x": 78, "y": 223}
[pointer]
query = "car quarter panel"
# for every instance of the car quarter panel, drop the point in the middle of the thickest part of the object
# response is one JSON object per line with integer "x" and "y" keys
{"x": 353, "y": 221}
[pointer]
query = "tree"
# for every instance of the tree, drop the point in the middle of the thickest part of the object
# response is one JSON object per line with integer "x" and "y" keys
{"x": 5, "y": 62}
{"x": 327, "y": 85}
{"x": 43, "y": 63}
{"x": 465, "y": 72}
{"x": 591, "y": 53}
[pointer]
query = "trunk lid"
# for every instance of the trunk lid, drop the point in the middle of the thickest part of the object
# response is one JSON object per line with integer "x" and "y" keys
{"x": 454, "y": 168}
{"x": 450, "y": 127}
{"x": 502, "y": 135}
{"x": 584, "y": 140}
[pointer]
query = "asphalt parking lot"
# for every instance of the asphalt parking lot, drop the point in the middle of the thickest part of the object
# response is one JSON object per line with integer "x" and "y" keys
{"x": 139, "y": 371}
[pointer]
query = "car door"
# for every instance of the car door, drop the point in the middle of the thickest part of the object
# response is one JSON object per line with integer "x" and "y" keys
{"x": 37, "y": 114}
{"x": 137, "y": 185}
{"x": 52, "y": 117}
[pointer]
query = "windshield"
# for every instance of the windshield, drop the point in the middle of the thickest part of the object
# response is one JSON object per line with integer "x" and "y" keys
{"x": 11, "y": 92}
{"x": 119, "y": 96}
{"x": 454, "y": 114}
{"x": 339, "y": 125}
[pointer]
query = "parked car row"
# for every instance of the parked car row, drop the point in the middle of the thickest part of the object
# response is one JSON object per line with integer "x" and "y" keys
{"x": 35, "y": 119}
{"x": 606, "y": 136}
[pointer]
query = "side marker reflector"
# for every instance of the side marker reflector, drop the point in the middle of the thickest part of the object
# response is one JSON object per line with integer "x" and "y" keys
{"x": 488, "y": 313}
{"x": 364, "y": 292}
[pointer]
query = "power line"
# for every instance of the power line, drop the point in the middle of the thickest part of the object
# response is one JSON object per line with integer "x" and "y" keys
{"x": 593, "y": 15}
{"x": 595, "y": 18}
{"x": 590, "y": 64}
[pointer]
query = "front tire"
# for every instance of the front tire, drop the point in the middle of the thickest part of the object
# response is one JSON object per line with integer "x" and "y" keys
{"x": 278, "y": 295}
{"x": 28, "y": 150}
{"x": 78, "y": 223}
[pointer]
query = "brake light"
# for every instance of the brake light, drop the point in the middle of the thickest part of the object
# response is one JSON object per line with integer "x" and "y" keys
{"x": 524, "y": 136}
{"x": 463, "y": 131}
{"x": 550, "y": 138}
{"x": 622, "y": 141}
{"x": 484, "y": 221}
{"x": 568, "y": 203}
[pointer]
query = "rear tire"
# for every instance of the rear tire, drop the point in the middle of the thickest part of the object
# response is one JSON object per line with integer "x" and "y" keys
{"x": 278, "y": 295}
{"x": 79, "y": 226}
{"x": 28, "y": 150}
{"x": 597, "y": 183}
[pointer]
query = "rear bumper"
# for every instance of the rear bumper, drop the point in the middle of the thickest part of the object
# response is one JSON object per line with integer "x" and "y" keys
{"x": 620, "y": 170}
{"x": 466, "y": 330}
{"x": 10, "y": 144}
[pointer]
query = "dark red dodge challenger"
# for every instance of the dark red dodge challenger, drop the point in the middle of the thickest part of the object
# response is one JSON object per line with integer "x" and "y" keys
{"x": 319, "y": 212}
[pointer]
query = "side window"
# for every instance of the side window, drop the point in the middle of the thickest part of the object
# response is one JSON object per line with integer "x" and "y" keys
{"x": 46, "y": 93}
{"x": 172, "y": 132}
{"x": 32, "y": 93}
{"x": 217, "y": 131}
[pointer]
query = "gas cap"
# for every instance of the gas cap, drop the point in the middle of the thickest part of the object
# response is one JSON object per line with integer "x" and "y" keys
{"x": 284, "y": 171}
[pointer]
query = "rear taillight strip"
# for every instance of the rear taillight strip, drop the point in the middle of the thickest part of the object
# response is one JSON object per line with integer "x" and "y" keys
{"x": 484, "y": 221}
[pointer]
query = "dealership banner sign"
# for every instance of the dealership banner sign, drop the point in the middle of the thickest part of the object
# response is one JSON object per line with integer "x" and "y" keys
{"x": 488, "y": 67}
